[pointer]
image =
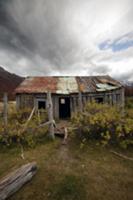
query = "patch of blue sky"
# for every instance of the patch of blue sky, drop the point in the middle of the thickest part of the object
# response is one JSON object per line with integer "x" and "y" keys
{"x": 119, "y": 44}
{"x": 122, "y": 46}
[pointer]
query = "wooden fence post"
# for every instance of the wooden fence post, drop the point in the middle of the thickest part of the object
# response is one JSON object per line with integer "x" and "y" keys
{"x": 50, "y": 115}
{"x": 5, "y": 110}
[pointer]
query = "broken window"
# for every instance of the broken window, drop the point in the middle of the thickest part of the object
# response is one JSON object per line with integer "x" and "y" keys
{"x": 62, "y": 101}
{"x": 41, "y": 105}
{"x": 99, "y": 100}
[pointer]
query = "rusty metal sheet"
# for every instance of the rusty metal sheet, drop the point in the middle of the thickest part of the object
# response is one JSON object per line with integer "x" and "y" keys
{"x": 38, "y": 85}
{"x": 86, "y": 84}
{"x": 67, "y": 85}
{"x": 97, "y": 83}
{"x": 101, "y": 87}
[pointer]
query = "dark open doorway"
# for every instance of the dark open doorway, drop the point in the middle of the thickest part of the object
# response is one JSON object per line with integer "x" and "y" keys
{"x": 64, "y": 107}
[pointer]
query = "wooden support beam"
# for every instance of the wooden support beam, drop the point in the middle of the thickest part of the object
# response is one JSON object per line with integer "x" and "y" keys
{"x": 39, "y": 118}
{"x": 50, "y": 115}
{"x": 114, "y": 98}
{"x": 122, "y": 100}
{"x": 65, "y": 136}
{"x": 106, "y": 99}
{"x": 71, "y": 106}
{"x": 123, "y": 97}
{"x": 29, "y": 119}
{"x": 84, "y": 100}
{"x": 121, "y": 155}
{"x": 74, "y": 104}
{"x": 15, "y": 180}
{"x": 80, "y": 102}
{"x": 47, "y": 123}
{"x": 110, "y": 99}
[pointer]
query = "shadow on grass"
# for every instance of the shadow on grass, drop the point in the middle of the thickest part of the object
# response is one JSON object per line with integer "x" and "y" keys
{"x": 69, "y": 188}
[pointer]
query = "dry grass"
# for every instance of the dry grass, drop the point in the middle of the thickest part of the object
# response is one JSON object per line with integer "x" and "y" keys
{"x": 68, "y": 172}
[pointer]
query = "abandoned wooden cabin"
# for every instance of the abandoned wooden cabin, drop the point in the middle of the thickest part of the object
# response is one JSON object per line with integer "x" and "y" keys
{"x": 66, "y": 92}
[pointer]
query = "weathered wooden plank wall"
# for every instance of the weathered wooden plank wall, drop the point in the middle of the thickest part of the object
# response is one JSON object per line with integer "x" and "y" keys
{"x": 110, "y": 97}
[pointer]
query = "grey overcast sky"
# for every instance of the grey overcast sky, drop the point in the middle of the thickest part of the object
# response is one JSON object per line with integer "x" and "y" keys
{"x": 67, "y": 37}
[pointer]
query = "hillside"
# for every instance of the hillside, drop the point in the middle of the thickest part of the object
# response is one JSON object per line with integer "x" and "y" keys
{"x": 8, "y": 82}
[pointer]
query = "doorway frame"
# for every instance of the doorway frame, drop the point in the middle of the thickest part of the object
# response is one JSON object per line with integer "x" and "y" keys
{"x": 64, "y": 97}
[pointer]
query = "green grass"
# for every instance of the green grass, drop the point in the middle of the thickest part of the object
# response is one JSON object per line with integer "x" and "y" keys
{"x": 70, "y": 173}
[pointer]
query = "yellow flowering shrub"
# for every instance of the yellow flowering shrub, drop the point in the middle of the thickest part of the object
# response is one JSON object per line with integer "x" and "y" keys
{"x": 104, "y": 123}
{"x": 14, "y": 133}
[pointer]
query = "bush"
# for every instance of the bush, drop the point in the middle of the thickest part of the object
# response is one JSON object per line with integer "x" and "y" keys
{"x": 129, "y": 102}
{"x": 14, "y": 133}
{"x": 105, "y": 124}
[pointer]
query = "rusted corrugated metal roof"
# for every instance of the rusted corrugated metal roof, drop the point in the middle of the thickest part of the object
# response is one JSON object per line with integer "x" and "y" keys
{"x": 97, "y": 83}
{"x": 38, "y": 85}
{"x": 67, "y": 85}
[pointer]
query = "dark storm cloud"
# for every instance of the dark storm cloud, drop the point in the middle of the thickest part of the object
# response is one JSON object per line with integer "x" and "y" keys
{"x": 33, "y": 29}
{"x": 43, "y": 28}
{"x": 11, "y": 38}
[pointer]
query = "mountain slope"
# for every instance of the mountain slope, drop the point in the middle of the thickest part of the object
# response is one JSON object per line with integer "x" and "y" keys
{"x": 8, "y": 82}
